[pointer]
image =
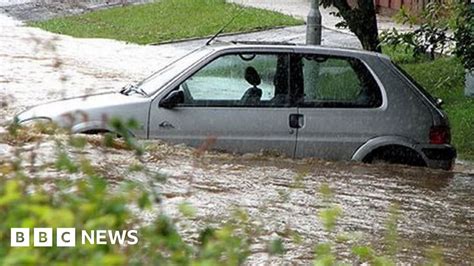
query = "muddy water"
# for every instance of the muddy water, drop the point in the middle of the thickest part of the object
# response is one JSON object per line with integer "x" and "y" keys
{"x": 435, "y": 207}
{"x": 282, "y": 198}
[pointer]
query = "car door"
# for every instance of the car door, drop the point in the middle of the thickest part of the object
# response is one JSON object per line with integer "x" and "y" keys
{"x": 339, "y": 104}
{"x": 240, "y": 101}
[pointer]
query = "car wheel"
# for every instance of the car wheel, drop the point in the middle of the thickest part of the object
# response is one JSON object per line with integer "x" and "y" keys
{"x": 395, "y": 155}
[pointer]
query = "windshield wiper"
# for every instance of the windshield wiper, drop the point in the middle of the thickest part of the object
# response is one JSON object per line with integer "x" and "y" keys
{"x": 132, "y": 88}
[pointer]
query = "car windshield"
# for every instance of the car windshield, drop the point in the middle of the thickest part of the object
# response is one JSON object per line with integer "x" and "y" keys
{"x": 160, "y": 78}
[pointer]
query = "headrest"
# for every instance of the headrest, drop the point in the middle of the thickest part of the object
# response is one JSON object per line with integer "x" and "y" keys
{"x": 252, "y": 76}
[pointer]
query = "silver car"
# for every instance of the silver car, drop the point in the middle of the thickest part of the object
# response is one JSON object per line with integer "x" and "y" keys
{"x": 302, "y": 101}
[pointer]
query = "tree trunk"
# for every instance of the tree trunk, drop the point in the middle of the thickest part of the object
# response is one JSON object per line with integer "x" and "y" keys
{"x": 361, "y": 20}
{"x": 369, "y": 37}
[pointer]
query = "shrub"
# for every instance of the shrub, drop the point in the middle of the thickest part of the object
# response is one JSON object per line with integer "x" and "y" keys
{"x": 464, "y": 36}
{"x": 431, "y": 29}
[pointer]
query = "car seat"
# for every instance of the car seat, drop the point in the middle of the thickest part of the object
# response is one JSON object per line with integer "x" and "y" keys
{"x": 253, "y": 95}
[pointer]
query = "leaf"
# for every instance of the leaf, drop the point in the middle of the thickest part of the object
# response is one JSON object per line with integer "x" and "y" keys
{"x": 144, "y": 201}
{"x": 6, "y": 169}
{"x": 109, "y": 140}
{"x": 77, "y": 142}
{"x": 365, "y": 253}
{"x": 329, "y": 217}
{"x": 187, "y": 210}
{"x": 276, "y": 247}
{"x": 322, "y": 249}
{"x": 63, "y": 162}
{"x": 326, "y": 191}
{"x": 136, "y": 167}
{"x": 12, "y": 193}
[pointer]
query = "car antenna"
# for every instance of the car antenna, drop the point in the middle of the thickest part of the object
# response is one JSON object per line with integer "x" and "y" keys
{"x": 223, "y": 27}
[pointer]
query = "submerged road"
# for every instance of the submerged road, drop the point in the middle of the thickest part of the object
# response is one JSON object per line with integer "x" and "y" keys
{"x": 435, "y": 207}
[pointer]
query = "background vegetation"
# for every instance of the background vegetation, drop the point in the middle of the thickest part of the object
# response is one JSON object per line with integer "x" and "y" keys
{"x": 166, "y": 20}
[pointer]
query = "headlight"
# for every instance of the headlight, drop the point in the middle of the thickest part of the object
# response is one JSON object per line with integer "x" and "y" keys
{"x": 35, "y": 120}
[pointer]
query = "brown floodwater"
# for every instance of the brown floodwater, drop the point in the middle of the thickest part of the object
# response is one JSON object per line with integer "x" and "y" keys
{"x": 434, "y": 207}
{"x": 282, "y": 199}
{"x": 279, "y": 195}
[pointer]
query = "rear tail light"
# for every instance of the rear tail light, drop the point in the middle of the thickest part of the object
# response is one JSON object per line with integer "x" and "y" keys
{"x": 440, "y": 135}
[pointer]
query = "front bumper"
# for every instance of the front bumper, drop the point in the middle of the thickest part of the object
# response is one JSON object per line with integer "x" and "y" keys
{"x": 439, "y": 156}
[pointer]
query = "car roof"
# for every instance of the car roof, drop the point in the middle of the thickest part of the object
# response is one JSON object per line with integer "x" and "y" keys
{"x": 252, "y": 45}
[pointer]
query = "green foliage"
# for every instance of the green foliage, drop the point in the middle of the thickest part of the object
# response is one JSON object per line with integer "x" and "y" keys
{"x": 435, "y": 256}
{"x": 78, "y": 142}
{"x": 329, "y": 217}
{"x": 464, "y": 36}
{"x": 430, "y": 36}
{"x": 63, "y": 162}
{"x": 123, "y": 130}
{"x": 166, "y": 20}
{"x": 187, "y": 210}
{"x": 403, "y": 54}
{"x": 13, "y": 127}
{"x": 391, "y": 229}
{"x": 324, "y": 255}
{"x": 20, "y": 134}
{"x": 276, "y": 247}
{"x": 90, "y": 206}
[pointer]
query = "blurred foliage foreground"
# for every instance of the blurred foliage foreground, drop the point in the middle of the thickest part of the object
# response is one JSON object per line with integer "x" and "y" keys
{"x": 30, "y": 198}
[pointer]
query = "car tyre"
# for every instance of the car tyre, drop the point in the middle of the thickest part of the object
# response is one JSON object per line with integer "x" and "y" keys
{"x": 395, "y": 154}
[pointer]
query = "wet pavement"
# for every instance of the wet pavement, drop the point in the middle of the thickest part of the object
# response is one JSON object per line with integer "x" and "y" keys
{"x": 435, "y": 207}
{"x": 300, "y": 9}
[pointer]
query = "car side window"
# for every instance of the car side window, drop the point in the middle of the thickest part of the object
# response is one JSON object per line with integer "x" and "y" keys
{"x": 338, "y": 82}
{"x": 245, "y": 79}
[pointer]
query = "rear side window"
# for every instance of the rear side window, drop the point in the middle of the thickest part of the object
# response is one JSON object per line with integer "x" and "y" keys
{"x": 337, "y": 82}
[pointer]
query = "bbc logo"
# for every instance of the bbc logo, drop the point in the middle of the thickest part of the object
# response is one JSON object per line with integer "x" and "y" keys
{"x": 66, "y": 237}
{"x": 42, "y": 237}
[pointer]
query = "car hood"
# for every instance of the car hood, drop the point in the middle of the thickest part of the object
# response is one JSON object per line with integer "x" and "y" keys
{"x": 108, "y": 103}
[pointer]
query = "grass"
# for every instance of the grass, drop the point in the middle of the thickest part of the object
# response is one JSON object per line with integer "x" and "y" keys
{"x": 444, "y": 78}
{"x": 166, "y": 20}
{"x": 401, "y": 54}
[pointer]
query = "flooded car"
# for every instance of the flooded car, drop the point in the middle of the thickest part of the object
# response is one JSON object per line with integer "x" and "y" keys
{"x": 302, "y": 101}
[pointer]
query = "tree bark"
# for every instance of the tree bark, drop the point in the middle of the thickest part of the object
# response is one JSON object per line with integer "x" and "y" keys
{"x": 361, "y": 20}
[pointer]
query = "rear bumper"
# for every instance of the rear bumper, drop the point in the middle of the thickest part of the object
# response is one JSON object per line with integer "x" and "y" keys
{"x": 439, "y": 156}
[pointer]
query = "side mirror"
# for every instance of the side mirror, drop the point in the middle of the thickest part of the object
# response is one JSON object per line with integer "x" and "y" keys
{"x": 172, "y": 99}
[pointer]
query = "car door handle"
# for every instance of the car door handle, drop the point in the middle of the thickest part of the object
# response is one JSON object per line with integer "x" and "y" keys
{"x": 296, "y": 121}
